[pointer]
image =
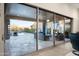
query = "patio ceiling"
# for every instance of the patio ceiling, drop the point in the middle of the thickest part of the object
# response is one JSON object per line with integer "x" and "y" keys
{"x": 23, "y": 12}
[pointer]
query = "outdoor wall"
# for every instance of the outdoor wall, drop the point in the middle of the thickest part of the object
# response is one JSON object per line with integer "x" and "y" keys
{"x": 64, "y": 9}
{"x": 75, "y": 21}
{"x": 1, "y": 28}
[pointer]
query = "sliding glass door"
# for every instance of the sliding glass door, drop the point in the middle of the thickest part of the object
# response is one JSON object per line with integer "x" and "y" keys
{"x": 68, "y": 28}
{"x": 45, "y": 29}
{"x": 58, "y": 29}
{"x": 29, "y": 29}
{"x": 21, "y": 25}
{"x": 62, "y": 29}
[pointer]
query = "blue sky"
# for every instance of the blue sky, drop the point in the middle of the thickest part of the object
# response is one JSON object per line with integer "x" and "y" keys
{"x": 21, "y": 23}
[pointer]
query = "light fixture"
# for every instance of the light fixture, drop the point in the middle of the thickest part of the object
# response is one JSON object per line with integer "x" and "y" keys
{"x": 48, "y": 20}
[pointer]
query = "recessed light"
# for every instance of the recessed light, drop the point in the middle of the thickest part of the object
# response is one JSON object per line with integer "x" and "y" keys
{"x": 48, "y": 20}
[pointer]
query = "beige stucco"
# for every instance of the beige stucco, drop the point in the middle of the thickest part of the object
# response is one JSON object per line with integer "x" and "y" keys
{"x": 64, "y": 9}
{"x": 1, "y": 29}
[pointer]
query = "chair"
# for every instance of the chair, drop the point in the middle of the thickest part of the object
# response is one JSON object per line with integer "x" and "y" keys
{"x": 60, "y": 36}
{"x": 74, "y": 38}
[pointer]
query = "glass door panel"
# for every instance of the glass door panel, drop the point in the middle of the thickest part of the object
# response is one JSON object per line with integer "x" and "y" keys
{"x": 59, "y": 29}
{"x": 68, "y": 27}
{"x": 45, "y": 29}
{"x": 21, "y": 25}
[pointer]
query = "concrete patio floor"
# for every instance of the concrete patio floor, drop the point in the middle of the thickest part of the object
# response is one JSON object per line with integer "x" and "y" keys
{"x": 24, "y": 43}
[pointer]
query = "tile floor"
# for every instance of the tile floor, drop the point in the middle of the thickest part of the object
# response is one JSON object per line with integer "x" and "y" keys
{"x": 70, "y": 54}
{"x": 60, "y": 50}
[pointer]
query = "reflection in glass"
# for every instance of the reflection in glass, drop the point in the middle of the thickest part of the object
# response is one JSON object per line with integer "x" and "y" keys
{"x": 67, "y": 28}
{"x": 45, "y": 29}
{"x": 59, "y": 29}
{"x": 14, "y": 9}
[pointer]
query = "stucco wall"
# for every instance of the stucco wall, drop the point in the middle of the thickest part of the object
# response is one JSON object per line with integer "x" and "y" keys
{"x": 64, "y": 9}
{"x": 1, "y": 28}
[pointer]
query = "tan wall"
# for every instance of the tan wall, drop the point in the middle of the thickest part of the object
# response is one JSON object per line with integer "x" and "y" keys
{"x": 64, "y": 9}
{"x": 1, "y": 28}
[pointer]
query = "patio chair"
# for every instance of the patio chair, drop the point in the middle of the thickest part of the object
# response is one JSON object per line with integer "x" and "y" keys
{"x": 60, "y": 36}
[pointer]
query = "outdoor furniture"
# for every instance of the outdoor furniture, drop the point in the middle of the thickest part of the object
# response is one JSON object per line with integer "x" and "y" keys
{"x": 15, "y": 34}
{"x": 74, "y": 38}
{"x": 60, "y": 36}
